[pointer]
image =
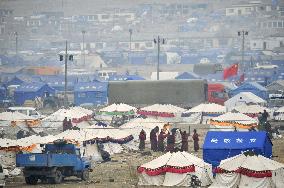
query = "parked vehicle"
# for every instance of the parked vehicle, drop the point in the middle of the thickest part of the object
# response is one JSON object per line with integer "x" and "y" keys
{"x": 57, "y": 161}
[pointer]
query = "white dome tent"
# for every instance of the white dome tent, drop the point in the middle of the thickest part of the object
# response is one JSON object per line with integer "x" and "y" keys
{"x": 229, "y": 121}
{"x": 165, "y": 112}
{"x": 205, "y": 111}
{"x": 134, "y": 126}
{"x": 244, "y": 98}
{"x": 175, "y": 169}
{"x": 250, "y": 110}
{"x": 249, "y": 171}
{"x": 78, "y": 116}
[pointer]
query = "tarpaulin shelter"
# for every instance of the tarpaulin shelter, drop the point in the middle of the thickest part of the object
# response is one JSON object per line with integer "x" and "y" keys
{"x": 245, "y": 170}
{"x": 175, "y": 169}
{"x": 222, "y": 145}
{"x": 252, "y": 87}
{"x": 162, "y": 110}
{"x": 94, "y": 93}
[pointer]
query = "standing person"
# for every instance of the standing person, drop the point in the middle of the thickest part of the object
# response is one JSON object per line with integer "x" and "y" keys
{"x": 195, "y": 138}
{"x": 178, "y": 140}
{"x": 265, "y": 115}
{"x": 161, "y": 137}
{"x": 65, "y": 124}
{"x": 184, "y": 141}
{"x": 69, "y": 124}
{"x": 171, "y": 142}
{"x": 153, "y": 138}
{"x": 142, "y": 138}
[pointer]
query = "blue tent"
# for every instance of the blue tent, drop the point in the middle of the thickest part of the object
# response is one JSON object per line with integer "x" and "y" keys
{"x": 187, "y": 76}
{"x": 15, "y": 81}
{"x": 2, "y": 93}
{"x": 222, "y": 145}
{"x": 29, "y": 91}
{"x": 94, "y": 93}
{"x": 252, "y": 87}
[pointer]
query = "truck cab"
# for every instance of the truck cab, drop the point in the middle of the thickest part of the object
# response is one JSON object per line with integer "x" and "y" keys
{"x": 217, "y": 93}
{"x": 57, "y": 161}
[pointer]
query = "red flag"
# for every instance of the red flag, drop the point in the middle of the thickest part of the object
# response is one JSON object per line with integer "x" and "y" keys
{"x": 231, "y": 71}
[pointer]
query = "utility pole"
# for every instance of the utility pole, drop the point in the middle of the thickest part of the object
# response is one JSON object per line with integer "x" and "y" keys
{"x": 130, "y": 38}
{"x": 242, "y": 34}
{"x": 84, "y": 55}
{"x": 158, "y": 42}
{"x": 67, "y": 57}
{"x": 65, "y": 82}
{"x": 16, "y": 37}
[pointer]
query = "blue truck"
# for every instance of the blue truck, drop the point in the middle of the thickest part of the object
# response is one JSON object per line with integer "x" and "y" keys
{"x": 57, "y": 161}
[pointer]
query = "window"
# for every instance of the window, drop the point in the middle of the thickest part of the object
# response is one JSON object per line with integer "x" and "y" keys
{"x": 269, "y": 24}
{"x": 280, "y": 24}
{"x": 99, "y": 94}
{"x": 274, "y": 24}
{"x": 247, "y": 9}
{"x": 231, "y": 10}
{"x": 149, "y": 44}
{"x": 105, "y": 17}
{"x": 82, "y": 95}
{"x": 264, "y": 24}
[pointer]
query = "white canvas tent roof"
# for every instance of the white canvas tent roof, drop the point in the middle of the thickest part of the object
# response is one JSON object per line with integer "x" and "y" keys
{"x": 244, "y": 98}
{"x": 169, "y": 108}
{"x": 248, "y": 176}
{"x": 250, "y": 109}
{"x": 14, "y": 116}
{"x": 118, "y": 108}
{"x": 207, "y": 108}
{"x": 134, "y": 126}
{"x": 235, "y": 117}
{"x": 176, "y": 160}
{"x": 255, "y": 163}
{"x": 280, "y": 110}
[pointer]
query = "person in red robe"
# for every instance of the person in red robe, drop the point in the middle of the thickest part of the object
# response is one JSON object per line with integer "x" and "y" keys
{"x": 142, "y": 138}
{"x": 184, "y": 141}
{"x": 65, "y": 124}
{"x": 195, "y": 138}
{"x": 171, "y": 142}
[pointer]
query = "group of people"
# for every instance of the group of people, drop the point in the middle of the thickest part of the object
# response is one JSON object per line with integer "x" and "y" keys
{"x": 163, "y": 140}
{"x": 67, "y": 124}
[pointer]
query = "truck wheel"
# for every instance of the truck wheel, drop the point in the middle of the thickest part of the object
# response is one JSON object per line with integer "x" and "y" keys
{"x": 58, "y": 177}
{"x": 31, "y": 180}
{"x": 85, "y": 175}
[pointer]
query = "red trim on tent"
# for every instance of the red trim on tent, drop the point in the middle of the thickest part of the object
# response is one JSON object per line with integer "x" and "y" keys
{"x": 246, "y": 172}
{"x": 155, "y": 113}
{"x": 166, "y": 168}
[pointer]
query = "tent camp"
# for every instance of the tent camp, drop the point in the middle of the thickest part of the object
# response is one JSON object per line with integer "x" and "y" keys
{"x": 175, "y": 169}
{"x": 231, "y": 121}
{"x": 246, "y": 170}
{"x": 244, "y": 98}
{"x": 222, "y": 145}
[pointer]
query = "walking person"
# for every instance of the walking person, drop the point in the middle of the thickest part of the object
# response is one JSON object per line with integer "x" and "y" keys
{"x": 142, "y": 138}
{"x": 195, "y": 138}
{"x": 184, "y": 141}
{"x": 153, "y": 138}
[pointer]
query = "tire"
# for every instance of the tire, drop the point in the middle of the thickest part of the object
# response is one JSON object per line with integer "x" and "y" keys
{"x": 31, "y": 180}
{"x": 58, "y": 177}
{"x": 85, "y": 175}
